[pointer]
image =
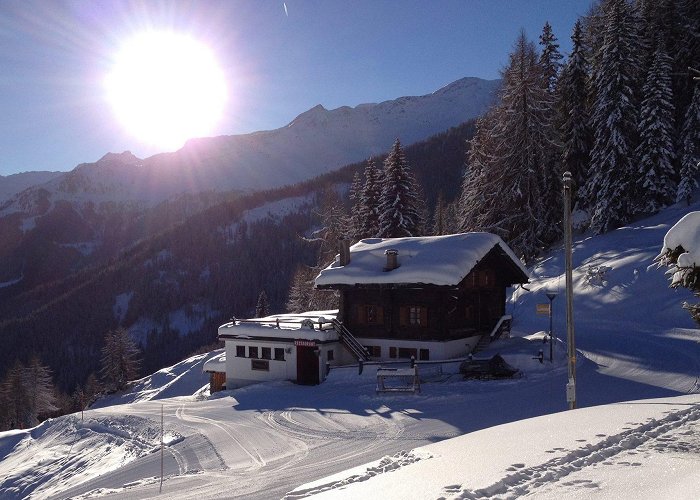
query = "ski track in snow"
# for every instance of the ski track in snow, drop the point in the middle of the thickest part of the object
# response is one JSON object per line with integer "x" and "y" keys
{"x": 526, "y": 480}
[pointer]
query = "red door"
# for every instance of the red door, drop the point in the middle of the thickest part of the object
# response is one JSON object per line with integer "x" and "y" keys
{"x": 307, "y": 366}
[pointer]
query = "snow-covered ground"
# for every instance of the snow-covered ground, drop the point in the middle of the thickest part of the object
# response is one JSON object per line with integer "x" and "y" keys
{"x": 639, "y": 357}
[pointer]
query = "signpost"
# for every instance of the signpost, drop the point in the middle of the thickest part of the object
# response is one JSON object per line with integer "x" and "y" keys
{"x": 550, "y": 296}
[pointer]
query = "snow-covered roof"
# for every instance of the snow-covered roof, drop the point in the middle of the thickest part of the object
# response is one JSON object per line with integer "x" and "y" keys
{"x": 312, "y": 325}
{"x": 215, "y": 364}
{"x": 434, "y": 260}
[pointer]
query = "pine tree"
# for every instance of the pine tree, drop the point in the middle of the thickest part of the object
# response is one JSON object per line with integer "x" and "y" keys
{"x": 550, "y": 58}
{"x": 368, "y": 210}
{"x": 356, "y": 221}
{"x": 399, "y": 206}
{"x": 690, "y": 144}
{"x": 573, "y": 105}
{"x": 14, "y": 396}
{"x": 610, "y": 187}
{"x": 262, "y": 308}
{"x": 512, "y": 162}
{"x": 120, "y": 359}
{"x": 656, "y": 150}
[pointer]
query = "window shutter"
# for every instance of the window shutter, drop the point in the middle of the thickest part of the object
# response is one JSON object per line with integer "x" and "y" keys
{"x": 362, "y": 314}
{"x": 380, "y": 315}
{"x": 424, "y": 317}
{"x": 403, "y": 316}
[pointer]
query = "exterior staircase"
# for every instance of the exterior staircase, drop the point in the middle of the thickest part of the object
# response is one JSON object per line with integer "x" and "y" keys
{"x": 350, "y": 342}
{"x": 503, "y": 326}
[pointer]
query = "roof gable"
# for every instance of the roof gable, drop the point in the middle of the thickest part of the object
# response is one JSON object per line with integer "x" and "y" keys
{"x": 430, "y": 260}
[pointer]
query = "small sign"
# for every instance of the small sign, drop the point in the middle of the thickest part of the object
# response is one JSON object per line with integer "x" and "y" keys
{"x": 543, "y": 309}
{"x": 304, "y": 343}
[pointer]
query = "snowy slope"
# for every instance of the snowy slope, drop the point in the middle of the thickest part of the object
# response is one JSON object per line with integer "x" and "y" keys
{"x": 315, "y": 142}
{"x": 10, "y": 185}
{"x": 458, "y": 438}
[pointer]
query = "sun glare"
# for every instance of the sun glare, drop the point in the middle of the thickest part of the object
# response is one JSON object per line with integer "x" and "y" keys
{"x": 166, "y": 88}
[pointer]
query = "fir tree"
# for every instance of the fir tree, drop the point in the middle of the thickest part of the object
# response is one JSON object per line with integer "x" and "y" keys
{"x": 356, "y": 220}
{"x": 550, "y": 58}
{"x": 262, "y": 308}
{"x": 120, "y": 359}
{"x": 610, "y": 187}
{"x": 573, "y": 105}
{"x": 399, "y": 206}
{"x": 369, "y": 206}
{"x": 512, "y": 166}
{"x": 300, "y": 290}
{"x": 690, "y": 152}
{"x": 656, "y": 150}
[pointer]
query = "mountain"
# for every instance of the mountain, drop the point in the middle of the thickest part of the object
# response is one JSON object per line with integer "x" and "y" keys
{"x": 11, "y": 185}
{"x": 315, "y": 142}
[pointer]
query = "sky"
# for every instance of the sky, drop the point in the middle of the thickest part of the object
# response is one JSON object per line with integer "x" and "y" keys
{"x": 278, "y": 60}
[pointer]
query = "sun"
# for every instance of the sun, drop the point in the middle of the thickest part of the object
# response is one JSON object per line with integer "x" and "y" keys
{"x": 165, "y": 88}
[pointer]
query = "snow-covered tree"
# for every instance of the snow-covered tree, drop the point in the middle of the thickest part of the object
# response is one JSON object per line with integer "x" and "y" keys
{"x": 681, "y": 253}
{"x": 573, "y": 105}
{"x": 300, "y": 290}
{"x": 511, "y": 171}
{"x": 656, "y": 150}
{"x": 690, "y": 150}
{"x": 262, "y": 308}
{"x": 356, "y": 204}
{"x": 612, "y": 172}
{"x": 369, "y": 206}
{"x": 399, "y": 205}
{"x": 120, "y": 359}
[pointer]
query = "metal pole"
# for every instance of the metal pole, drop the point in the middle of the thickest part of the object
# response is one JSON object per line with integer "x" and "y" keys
{"x": 160, "y": 490}
{"x": 568, "y": 244}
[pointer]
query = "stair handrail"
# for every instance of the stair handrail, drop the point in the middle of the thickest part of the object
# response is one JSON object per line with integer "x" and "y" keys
{"x": 504, "y": 318}
{"x": 350, "y": 341}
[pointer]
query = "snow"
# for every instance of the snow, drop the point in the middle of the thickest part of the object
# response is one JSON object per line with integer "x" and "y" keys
{"x": 281, "y": 324}
{"x": 636, "y": 433}
{"x": 436, "y": 260}
{"x": 685, "y": 233}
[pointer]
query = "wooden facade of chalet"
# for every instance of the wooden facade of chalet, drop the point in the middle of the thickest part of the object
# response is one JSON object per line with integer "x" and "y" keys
{"x": 426, "y": 312}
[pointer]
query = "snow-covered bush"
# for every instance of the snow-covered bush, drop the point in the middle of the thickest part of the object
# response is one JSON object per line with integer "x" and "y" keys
{"x": 681, "y": 253}
{"x": 597, "y": 275}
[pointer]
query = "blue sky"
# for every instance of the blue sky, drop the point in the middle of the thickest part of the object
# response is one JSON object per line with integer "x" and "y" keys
{"x": 54, "y": 56}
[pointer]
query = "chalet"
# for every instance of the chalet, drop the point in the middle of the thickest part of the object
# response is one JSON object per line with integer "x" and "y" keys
{"x": 296, "y": 347}
{"x": 426, "y": 297}
{"x": 430, "y": 298}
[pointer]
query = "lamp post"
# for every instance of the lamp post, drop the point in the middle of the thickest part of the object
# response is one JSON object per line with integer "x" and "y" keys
{"x": 571, "y": 347}
{"x": 550, "y": 296}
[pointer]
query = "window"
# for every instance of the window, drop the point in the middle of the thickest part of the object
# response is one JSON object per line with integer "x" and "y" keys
{"x": 252, "y": 352}
{"x": 424, "y": 354}
{"x": 240, "y": 351}
{"x": 392, "y": 352}
{"x": 266, "y": 353}
{"x": 405, "y": 352}
{"x": 374, "y": 350}
{"x": 415, "y": 316}
{"x": 260, "y": 365}
{"x": 370, "y": 314}
{"x": 331, "y": 355}
{"x": 279, "y": 354}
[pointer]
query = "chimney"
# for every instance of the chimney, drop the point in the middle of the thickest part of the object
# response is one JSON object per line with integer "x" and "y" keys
{"x": 344, "y": 251}
{"x": 392, "y": 259}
